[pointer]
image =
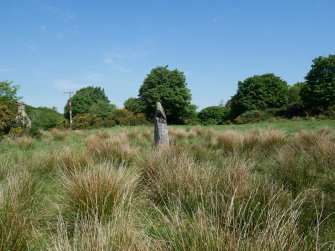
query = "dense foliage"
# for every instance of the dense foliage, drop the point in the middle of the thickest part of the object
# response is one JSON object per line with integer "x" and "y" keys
{"x": 212, "y": 115}
{"x": 126, "y": 117}
{"x": 8, "y": 91}
{"x": 134, "y": 105}
{"x": 120, "y": 117}
{"x": 8, "y": 113}
{"x": 294, "y": 93}
{"x": 319, "y": 92}
{"x": 259, "y": 92}
{"x": 84, "y": 99}
{"x": 8, "y": 106}
{"x": 170, "y": 88}
{"x": 43, "y": 117}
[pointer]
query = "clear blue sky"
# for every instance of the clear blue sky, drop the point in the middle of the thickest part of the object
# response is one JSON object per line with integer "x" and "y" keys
{"x": 49, "y": 47}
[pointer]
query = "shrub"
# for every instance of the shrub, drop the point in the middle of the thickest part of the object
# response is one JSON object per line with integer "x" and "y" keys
{"x": 88, "y": 121}
{"x": 134, "y": 105}
{"x": 212, "y": 115}
{"x": 8, "y": 112}
{"x": 253, "y": 116}
{"x": 292, "y": 110}
{"x": 125, "y": 117}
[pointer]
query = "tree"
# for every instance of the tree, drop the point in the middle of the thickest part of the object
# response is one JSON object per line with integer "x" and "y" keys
{"x": 8, "y": 92}
{"x": 84, "y": 99}
{"x": 295, "y": 106}
{"x": 212, "y": 115}
{"x": 169, "y": 88}
{"x": 43, "y": 117}
{"x": 319, "y": 92}
{"x": 294, "y": 93}
{"x": 134, "y": 105}
{"x": 259, "y": 92}
{"x": 102, "y": 111}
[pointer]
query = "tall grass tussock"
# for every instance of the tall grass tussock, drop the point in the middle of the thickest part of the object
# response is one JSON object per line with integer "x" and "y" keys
{"x": 211, "y": 189}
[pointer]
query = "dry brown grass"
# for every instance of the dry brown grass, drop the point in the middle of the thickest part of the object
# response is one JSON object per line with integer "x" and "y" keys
{"x": 66, "y": 158}
{"x": 17, "y": 210}
{"x": 97, "y": 190}
{"x": 229, "y": 141}
{"x": 24, "y": 142}
{"x": 113, "y": 147}
{"x": 59, "y": 135}
{"x": 209, "y": 190}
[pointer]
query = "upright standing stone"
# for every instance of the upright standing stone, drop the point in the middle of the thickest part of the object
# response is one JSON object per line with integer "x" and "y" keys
{"x": 161, "y": 131}
{"x": 23, "y": 118}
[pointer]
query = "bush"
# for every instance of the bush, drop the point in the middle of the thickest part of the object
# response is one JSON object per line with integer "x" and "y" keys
{"x": 134, "y": 105}
{"x": 253, "y": 116}
{"x": 292, "y": 110}
{"x": 8, "y": 112}
{"x": 125, "y": 117}
{"x": 212, "y": 115}
{"x": 88, "y": 121}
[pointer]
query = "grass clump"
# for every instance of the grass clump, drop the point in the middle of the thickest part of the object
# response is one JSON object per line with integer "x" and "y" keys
{"x": 111, "y": 147}
{"x": 96, "y": 191}
{"x": 17, "y": 208}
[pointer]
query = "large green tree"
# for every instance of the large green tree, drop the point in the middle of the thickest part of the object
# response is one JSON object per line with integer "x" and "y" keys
{"x": 259, "y": 92}
{"x": 319, "y": 92}
{"x": 84, "y": 99}
{"x": 170, "y": 88}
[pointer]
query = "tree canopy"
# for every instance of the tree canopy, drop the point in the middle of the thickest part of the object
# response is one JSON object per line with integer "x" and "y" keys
{"x": 170, "y": 88}
{"x": 8, "y": 91}
{"x": 259, "y": 92}
{"x": 294, "y": 93}
{"x": 319, "y": 92}
{"x": 44, "y": 117}
{"x": 134, "y": 105}
{"x": 84, "y": 99}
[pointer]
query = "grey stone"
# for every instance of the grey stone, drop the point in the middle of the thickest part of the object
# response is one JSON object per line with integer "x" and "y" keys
{"x": 161, "y": 135}
{"x": 22, "y": 117}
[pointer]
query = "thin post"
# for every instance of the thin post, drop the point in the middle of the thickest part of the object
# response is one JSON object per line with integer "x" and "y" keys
{"x": 69, "y": 104}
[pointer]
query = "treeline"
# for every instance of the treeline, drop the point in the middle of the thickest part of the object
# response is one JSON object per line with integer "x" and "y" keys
{"x": 264, "y": 97}
{"x": 260, "y": 97}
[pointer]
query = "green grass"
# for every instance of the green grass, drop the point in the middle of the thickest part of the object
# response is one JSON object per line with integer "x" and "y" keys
{"x": 266, "y": 186}
{"x": 287, "y": 125}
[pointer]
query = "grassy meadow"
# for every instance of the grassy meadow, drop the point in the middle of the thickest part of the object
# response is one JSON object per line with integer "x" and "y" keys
{"x": 267, "y": 186}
